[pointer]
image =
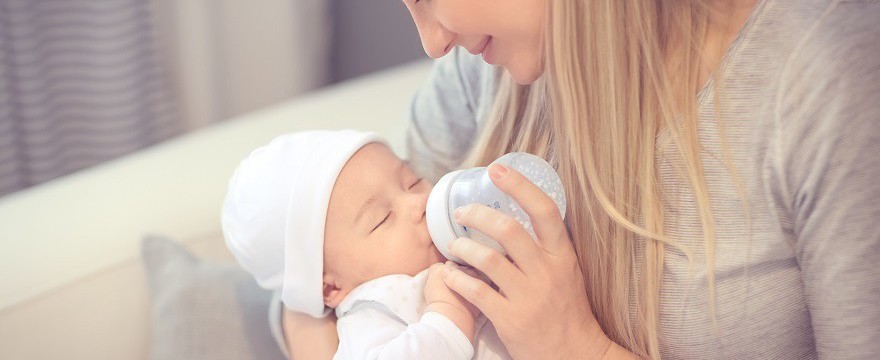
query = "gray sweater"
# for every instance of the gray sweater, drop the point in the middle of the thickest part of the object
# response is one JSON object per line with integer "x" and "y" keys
{"x": 802, "y": 119}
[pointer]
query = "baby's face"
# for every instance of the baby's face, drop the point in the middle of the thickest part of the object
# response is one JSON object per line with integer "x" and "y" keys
{"x": 375, "y": 223}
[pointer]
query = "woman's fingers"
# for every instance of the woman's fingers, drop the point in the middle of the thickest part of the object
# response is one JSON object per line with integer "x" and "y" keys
{"x": 489, "y": 261}
{"x": 475, "y": 291}
{"x": 542, "y": 211}
{"x": 501, "y": 228}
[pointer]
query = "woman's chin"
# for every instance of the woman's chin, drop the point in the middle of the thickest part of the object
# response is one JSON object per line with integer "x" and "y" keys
{"x": 525, "y": 74}
{"x": 525, "y": 77}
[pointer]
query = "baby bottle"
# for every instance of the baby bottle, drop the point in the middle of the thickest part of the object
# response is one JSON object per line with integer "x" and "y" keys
{"x": 469, "y": 186}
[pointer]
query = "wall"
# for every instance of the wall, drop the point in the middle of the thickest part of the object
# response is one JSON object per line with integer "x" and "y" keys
{"x": 370, "y": 35}
{"x": 229, "y": 57}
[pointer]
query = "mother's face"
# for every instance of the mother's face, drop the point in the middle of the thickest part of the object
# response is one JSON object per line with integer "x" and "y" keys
{"x": 508, "y": 33}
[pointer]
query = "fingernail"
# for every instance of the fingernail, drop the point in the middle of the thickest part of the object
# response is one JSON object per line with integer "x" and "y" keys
{"x": 498, "y": 171}
{"x": 449, "y": 244}
{"x": 457, "y": 213}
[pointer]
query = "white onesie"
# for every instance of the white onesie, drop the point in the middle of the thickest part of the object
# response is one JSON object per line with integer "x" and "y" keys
{"x": 383, "y": 319}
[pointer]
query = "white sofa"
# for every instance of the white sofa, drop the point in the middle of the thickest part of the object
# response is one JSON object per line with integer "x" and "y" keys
{"x": 71, "y": 282}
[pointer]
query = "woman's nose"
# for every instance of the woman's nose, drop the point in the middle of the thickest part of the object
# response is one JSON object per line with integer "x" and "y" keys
{"x": 436, "y": 39}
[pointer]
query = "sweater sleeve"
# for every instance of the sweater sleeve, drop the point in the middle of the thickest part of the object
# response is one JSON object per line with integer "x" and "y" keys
{"x": 446, "y": 113}
{"x": 828, "y": 155}
{"x": 369, "y": 332}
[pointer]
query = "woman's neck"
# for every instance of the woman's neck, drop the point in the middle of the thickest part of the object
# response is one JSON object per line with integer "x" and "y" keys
{"x": 725, "y": 24}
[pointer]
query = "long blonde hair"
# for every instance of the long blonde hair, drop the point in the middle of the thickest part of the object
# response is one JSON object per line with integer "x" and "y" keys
{"x": 616, "y": 72}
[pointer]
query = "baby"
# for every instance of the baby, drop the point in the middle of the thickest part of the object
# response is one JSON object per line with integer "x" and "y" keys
{"x": 334, "y": 220}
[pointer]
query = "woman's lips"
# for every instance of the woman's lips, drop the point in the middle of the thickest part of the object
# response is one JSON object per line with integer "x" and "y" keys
{"x": 481, "y": 47}
{"x": 484, "y": 48}
{"x": 487, "y": 52}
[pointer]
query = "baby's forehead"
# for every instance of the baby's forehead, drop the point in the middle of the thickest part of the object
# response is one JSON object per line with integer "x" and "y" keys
{"x": 371, "y": 167}
{"x": 363, "y": 185}
{"x": 371, "y": 160}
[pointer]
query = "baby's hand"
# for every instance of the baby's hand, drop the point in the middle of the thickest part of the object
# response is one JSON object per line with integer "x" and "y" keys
{"x": 436, "y": 290}
{"x": 440, "y": 298}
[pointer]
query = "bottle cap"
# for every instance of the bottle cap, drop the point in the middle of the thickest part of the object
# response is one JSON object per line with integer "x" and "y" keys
{"x": 438, "y": 215}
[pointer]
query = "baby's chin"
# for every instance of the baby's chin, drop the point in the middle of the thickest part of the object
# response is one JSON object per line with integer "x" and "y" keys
{"x": 431, "y": 257}
{"x": 421, "y": 263}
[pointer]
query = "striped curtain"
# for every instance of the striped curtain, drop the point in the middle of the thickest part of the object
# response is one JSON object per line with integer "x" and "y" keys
{"x": 80, "y": 83}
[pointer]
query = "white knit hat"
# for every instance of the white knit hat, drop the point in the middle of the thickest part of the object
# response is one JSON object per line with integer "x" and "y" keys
{"x": 275, "y": 210}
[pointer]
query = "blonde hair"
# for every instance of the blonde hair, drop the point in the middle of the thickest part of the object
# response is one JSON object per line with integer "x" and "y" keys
{"x": 616, "y": 72}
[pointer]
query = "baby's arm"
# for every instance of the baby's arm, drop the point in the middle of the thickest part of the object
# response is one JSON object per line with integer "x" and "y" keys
{"x": 371, "y": 331}
{"x": 441, "y": 299}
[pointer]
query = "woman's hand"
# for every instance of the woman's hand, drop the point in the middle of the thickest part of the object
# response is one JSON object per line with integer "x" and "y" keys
{"x": 541, "y": 310}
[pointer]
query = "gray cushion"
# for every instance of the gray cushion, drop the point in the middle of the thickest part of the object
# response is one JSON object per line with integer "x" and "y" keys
{"x": 204, "y": 310}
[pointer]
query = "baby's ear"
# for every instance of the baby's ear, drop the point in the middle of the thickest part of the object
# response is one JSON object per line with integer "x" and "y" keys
{"x": 332, "y": 294}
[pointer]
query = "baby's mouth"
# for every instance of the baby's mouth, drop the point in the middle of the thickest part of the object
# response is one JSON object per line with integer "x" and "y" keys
{"x": 437, "y": 254}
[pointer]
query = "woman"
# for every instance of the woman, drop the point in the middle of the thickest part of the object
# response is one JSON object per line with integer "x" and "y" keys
{"x": 720, "y": 159}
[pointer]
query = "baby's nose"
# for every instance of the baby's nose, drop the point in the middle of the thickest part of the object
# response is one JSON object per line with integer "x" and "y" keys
{"x": 417, "y": 204}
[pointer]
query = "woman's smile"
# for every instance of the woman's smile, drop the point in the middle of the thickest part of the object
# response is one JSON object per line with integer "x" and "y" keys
{"x": 480, "y": 27}
{"x": 487, "y": 52}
